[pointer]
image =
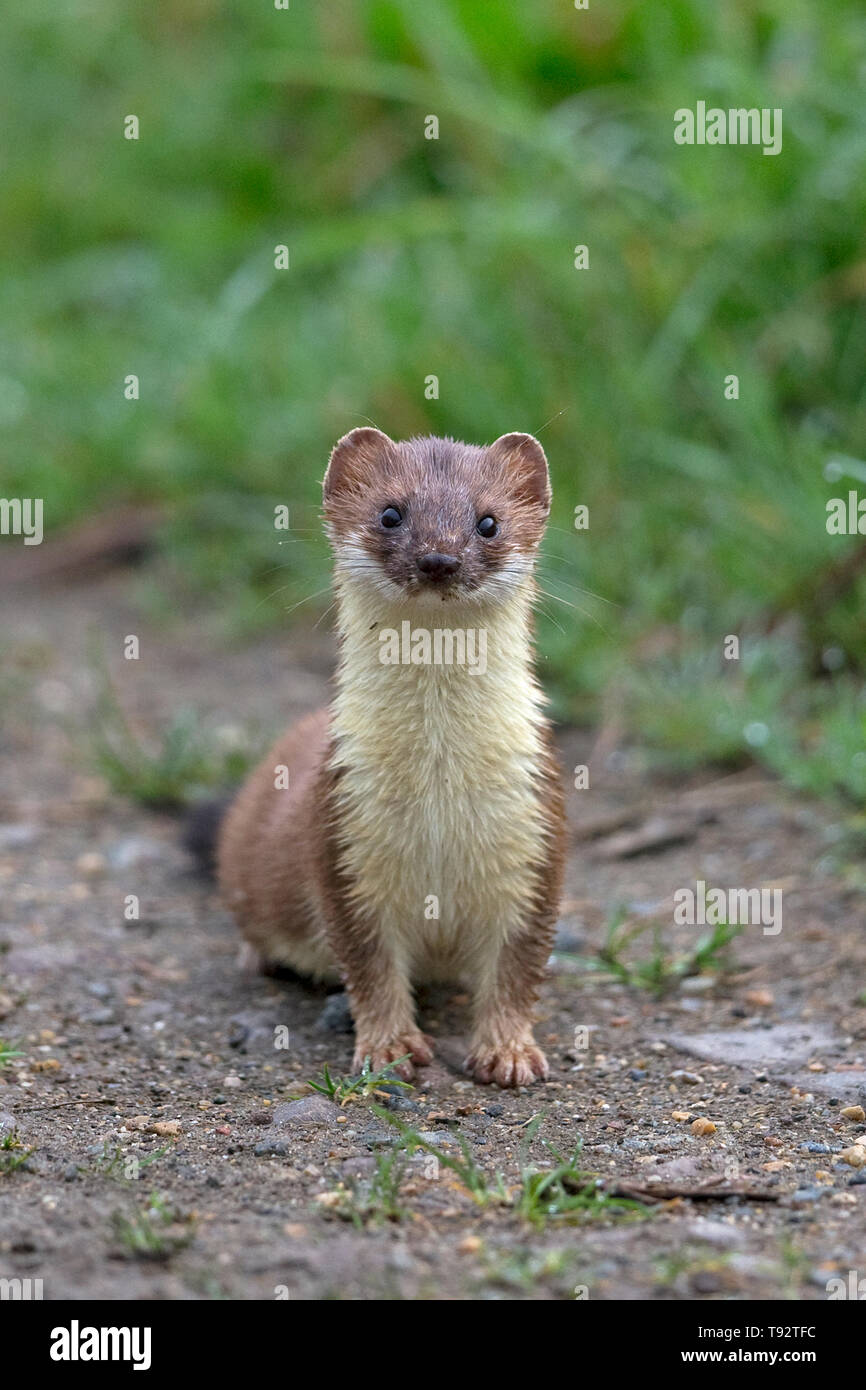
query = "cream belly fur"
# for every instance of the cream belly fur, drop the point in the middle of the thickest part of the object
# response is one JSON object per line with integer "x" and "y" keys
{"x": 439, "y": 793}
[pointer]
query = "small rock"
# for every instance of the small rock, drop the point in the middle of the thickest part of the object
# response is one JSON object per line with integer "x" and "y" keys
{"x": 469, "y": 1245}
{"x": 310, "y": 1110}
{"x": 7, "y": 1124}
{"x": 637, "y": 1075}
{"x": 697, "y": 984}
{"x": 760, "y": 998}
{"x": 688, "y": 1078}
{"x": 855, "y": 1156}
{"x": 706, "y": 1281}
{"x": 232, "y": 1082}
{"x": 90, "y": 864}
{"x": 336, "y": 1016}
{"x": 812, "y": 1148}
{"x": 167, "y": 1128}
{"x": 98, "y": 1017}
{"x": 703, "y": 1126}
{"x": 16, "y": 836}
{"x": 271, "y": 1146}
{"x": 854, "y": 1112}
{"x": 804, "y": 1195}
{"x": 133, "y": 850}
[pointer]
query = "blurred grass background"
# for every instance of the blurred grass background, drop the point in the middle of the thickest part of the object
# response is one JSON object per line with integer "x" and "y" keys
{"x": 455, "y": 257}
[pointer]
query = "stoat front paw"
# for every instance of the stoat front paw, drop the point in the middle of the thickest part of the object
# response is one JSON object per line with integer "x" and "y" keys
{"x": 416, "y": 1044}
{"x": 516, "y": 1063}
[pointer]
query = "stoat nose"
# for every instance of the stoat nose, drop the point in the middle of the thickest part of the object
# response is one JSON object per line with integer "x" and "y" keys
{"x": 437, "y": 568}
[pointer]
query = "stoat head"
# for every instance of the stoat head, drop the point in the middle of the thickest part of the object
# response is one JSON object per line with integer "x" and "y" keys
{"x": 433, "y": 519}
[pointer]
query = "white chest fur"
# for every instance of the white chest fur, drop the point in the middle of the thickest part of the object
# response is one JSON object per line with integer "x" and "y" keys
{"x": 441, "y": 819}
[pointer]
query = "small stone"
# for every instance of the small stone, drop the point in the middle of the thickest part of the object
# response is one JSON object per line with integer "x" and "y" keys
{"x": 98, "y": 1017}
{"x": 706, "y": 1281}
{"x": 90, "y": 864}
{"x": 703, "y": 1126}
{"x": 760, "y": 998}
{"x": 636, "y": 1074}
{"x": 697, "y": 984}
{"x": 688, "y": 1078}
{"x": 7, "y": 1124}
{"x": 804, "y": 1195}
{"x": 336, "y": 1016}
{"x": 310, "y": 1110}
{"x": 812, "y": 1148}
{"x": 271, "y": 1146}
{"x": 70, "y": 1174}
{"x": 680, "y": 1116}
{"x": 853, "y": 1112}
{"x": 470, "y": 1245}
{"x": 855, "y": 1156}
{"x": 133, "y": 850}
{"x": 166, "y": 1128}
{"x": 232, "y": 1082}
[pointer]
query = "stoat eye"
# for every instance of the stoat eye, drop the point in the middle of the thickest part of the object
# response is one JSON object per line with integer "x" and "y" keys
{"x": 391, "y": 516}
{"x": 487, "y": 527}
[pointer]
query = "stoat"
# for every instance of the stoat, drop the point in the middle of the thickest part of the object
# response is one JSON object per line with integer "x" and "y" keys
{"x": 414, "y": 829}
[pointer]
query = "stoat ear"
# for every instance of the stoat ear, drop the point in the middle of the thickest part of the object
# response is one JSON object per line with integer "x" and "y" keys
{"x": 526, "y": 468}
{"x": 353, "y": 459}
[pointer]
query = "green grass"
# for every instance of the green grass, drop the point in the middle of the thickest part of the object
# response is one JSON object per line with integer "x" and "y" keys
{"x": 656, "y": 969}
{"x": 342, "y": 1089}
{"x": 168, "y": 771}
{"x": 114, "y": 1163}
{"x": 482, "y": 1188}
{"x": 13, "y": 1154}
{"x": 454, "y": 257}
{"x": 154, "y": 1232}
{"x": 561, "y": 1193}
{"x": 7, "y": 1053}
{"x": 375, "y": 1201}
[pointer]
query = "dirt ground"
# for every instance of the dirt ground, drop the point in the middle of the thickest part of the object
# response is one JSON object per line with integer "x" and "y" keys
{"x": 124, "y": 1025}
